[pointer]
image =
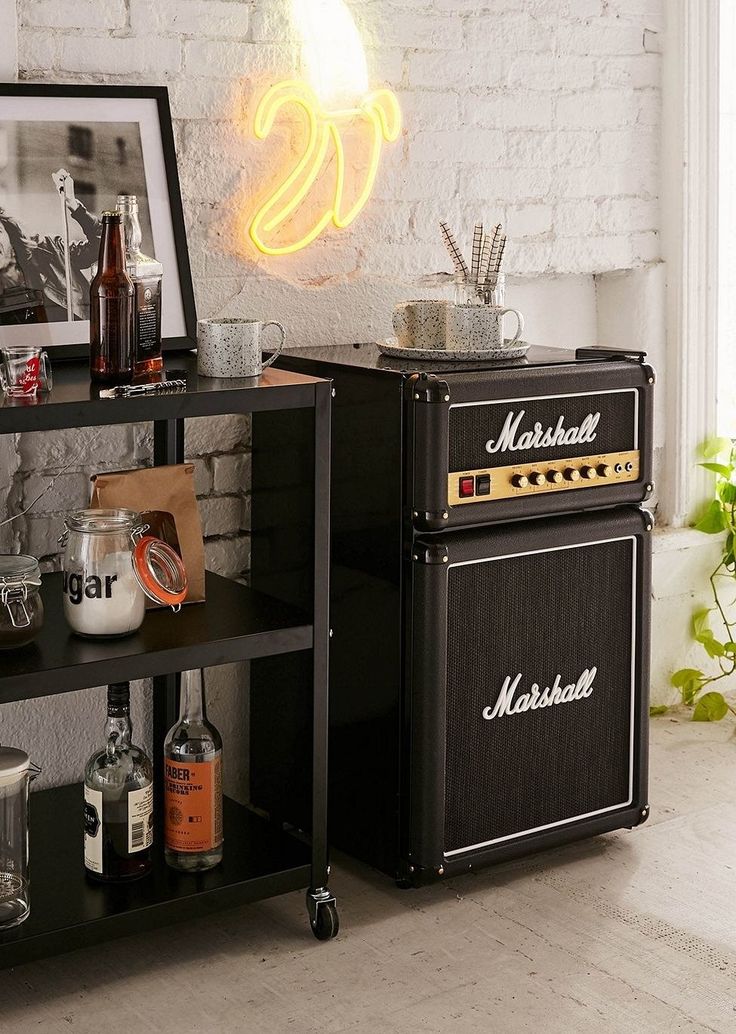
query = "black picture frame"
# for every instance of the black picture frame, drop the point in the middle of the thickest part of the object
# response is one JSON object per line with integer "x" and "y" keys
{"x": 160, "y": 95}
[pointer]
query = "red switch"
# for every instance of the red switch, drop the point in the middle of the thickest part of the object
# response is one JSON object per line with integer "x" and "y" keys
{"x": 467, "y": 487}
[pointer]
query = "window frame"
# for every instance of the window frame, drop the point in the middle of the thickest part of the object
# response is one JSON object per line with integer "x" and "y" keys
{"x": 690, "y": 113}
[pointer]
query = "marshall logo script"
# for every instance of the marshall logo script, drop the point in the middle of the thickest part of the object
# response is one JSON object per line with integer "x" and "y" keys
{"x": 536, "y": 697}
{"x": 539, "y": 437}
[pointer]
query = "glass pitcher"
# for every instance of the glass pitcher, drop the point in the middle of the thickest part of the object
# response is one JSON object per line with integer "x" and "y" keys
{"x": 16, "y": 773}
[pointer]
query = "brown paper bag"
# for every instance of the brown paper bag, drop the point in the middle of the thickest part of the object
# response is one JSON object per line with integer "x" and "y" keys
{"x": 166, "y": 498}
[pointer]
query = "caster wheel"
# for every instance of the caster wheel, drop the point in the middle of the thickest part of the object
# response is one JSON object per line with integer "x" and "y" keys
{"x": 327, "y": 922}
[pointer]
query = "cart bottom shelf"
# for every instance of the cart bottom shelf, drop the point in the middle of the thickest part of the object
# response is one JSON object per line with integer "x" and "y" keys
{"x": 70, "y": 911}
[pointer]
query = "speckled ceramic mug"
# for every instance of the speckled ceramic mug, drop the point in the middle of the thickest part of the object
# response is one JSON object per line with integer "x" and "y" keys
{"x": 232, "y": 347}
{"x": 420, "y": 324}
{"x": 477, "y": 328}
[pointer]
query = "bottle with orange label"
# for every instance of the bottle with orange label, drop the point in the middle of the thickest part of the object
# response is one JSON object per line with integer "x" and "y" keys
{"x": 193, "y": 783}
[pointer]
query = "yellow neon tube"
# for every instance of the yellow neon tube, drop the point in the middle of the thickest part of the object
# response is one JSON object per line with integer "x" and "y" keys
{"x": 380, "y": 110}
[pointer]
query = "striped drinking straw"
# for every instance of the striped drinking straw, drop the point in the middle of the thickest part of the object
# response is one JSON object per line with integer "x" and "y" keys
{"x": 477, "y": 249}
{"x": 485, "y": 258}
{"x": 458, "y": 261}
{"x": 495, "y": 247}
{"x": 499, "y": 257}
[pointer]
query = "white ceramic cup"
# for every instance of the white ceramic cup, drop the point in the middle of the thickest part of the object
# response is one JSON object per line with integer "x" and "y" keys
{"x": 232, "y": 347}
{"x": 475, "y": 328}
{"x": 420, "y": 324}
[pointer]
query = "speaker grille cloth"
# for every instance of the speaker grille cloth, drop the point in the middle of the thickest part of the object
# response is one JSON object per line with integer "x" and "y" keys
{"x": 543, "y": 614}
{"x": 472, "y": 426}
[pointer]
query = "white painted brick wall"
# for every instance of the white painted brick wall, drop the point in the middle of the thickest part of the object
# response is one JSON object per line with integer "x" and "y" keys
{"x": 511, "y": 104}
{"x": 94, "y": 15}
{"x": 543, "y": 113}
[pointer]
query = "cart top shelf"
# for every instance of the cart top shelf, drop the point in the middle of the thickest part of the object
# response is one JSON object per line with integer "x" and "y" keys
{"x": 74, "y": 402}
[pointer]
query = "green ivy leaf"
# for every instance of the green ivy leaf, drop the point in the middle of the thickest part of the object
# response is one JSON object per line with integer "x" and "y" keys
{"x": 689, "y": 681}
{"x": 685, "y": 675}
{"x": 701, "y": 621}
{"x": 715, "y": 447}
{"x": 712, "y": 647}
{"x": 702, "y": 634}
{"x": 711, "y": 707}
{"x": 726, "y": 492}
{"x": 689, "y": 692}
{"x": 718, "y": 468}
{"x": 657, "y": 710}
{"x": 713, "y": 520}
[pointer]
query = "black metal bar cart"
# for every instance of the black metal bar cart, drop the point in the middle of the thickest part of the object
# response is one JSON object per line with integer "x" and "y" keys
{"x": 262, "y": 857}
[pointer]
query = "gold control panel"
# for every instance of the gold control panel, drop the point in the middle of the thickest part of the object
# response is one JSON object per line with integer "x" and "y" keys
{"x": 485, "y": 485}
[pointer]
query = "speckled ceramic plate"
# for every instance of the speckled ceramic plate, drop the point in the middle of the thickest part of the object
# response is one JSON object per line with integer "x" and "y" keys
{"x": 390, "y": 346}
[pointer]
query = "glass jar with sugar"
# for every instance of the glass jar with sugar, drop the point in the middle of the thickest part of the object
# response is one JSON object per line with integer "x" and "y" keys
{"x": 110, "y": 566}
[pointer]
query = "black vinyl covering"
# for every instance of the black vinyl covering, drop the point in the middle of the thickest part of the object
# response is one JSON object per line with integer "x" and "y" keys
{"x": 539, "y": 599}
{"x": 517, "y": 772}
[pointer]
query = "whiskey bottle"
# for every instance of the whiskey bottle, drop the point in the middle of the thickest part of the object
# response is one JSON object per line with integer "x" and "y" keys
{"x": 146, "y": 274}
{"x": 193, "y": 783}
{"x": 118, "y": 799}
{"x": 111, "y": 308}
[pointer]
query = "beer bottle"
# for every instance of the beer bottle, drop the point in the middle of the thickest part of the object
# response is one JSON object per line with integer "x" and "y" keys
{"x": 111, "y": 308}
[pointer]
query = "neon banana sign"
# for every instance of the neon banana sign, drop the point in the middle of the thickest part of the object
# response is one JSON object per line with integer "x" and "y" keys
{"x": 381, "y": 114}
{"x": 335, "y": 60}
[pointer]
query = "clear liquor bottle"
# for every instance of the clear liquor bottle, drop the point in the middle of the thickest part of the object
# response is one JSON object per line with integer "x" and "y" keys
{"x": 118, "y": 799}
{"x": 146, "y": 274}
{"x": 193, "y": 783}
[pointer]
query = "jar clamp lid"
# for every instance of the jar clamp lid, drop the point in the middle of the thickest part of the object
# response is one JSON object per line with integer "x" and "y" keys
{"x": 160, "y": 571}
{"x": 18, "y": 574}
{"x": 18, "y": 567}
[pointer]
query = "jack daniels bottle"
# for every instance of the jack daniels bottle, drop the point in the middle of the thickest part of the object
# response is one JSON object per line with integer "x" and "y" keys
{"x": 146, "y": 274}
{"x": 118, "y": 799}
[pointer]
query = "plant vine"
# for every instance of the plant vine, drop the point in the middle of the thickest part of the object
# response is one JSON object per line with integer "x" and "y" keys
{"x": 694, "y": 684}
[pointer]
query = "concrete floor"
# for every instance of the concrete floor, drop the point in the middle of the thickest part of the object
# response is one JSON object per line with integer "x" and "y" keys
{"x": 634, "y": 931}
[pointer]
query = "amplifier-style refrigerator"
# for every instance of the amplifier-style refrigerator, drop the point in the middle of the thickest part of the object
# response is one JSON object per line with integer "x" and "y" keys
{"x": 489, "y": 604}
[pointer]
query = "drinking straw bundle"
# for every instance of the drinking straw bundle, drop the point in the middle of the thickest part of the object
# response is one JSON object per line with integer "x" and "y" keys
{"x": 486, "y": 256}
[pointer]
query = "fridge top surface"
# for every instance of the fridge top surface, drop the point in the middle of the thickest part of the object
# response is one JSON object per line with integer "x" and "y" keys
{"x": 368, "y": 356}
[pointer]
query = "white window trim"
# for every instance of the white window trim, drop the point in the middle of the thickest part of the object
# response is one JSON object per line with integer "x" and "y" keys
{"x": 690, "y": 246}
{"x": 9, "y": 36}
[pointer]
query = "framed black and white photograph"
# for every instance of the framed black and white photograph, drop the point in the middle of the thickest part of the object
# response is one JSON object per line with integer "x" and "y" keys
{"x": 66, "y": 153}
